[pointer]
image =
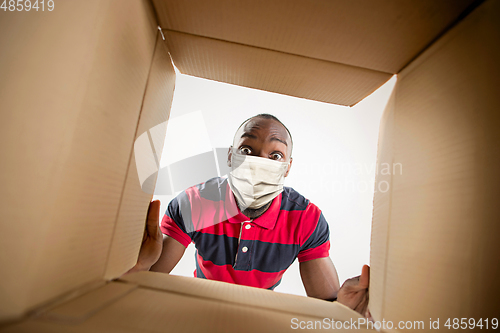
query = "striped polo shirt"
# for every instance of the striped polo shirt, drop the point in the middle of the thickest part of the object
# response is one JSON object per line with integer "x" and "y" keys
{"x": 233, "y": 248}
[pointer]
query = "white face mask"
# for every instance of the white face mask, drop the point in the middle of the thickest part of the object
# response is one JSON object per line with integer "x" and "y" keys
{"x": 255, "y": 181}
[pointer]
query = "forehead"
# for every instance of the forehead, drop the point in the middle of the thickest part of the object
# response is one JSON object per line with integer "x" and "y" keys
{"x": 263, "y": 129}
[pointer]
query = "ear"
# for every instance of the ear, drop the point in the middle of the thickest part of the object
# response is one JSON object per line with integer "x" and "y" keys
{"x": 229, "y": 155}
{"x": 364, "y": 279}
{"x": 289, "y": 166}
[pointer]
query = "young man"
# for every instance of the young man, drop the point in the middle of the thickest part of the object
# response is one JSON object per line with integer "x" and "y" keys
{"x": 248, "y": 228}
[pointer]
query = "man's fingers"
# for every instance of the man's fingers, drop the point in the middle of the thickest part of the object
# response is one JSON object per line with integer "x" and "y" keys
{"x": 364, "y": 279}
{"x": 153, "y": 217}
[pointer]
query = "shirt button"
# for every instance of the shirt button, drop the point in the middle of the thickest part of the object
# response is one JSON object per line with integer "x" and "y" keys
{"x": 244, "y": 249}
{"x": 248, "y": 226}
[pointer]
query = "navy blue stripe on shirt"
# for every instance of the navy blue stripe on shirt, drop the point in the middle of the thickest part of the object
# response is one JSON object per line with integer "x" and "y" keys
{"x": 199, "y": 272}
{"x": 262, "y": 256}
{"x": 179, "y": 210}
{"x": 219, "y": 249}
{"x": 292, "y": 200}
{"x": 271, "y": 257}
{"x": 213, "y": 189}
{"x": 320, "y": 235}
{"x": 275, "y": 285}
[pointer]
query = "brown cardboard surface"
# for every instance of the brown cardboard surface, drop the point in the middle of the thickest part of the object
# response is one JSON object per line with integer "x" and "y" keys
{"x": 330, "y": 51}
{"x": 71, "y": 88}
{"x": 79, "y": 309}
{"x": 246, "y": 296}
{"x": 72, "y": 210}
{"x": 271, "y": 70}
{"x": 382, "y": 35}
{"x": 382, "y": 202}
{"x": 443, "y": 255}
{"x": 150, "y": 310}
{"x": 127, "y": 236}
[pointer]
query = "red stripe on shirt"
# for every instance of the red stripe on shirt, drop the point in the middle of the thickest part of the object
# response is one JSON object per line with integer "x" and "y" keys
{"x": 170, "y": 228}
{"x": 315, "y": 253}
{"x": 226, "y": 273}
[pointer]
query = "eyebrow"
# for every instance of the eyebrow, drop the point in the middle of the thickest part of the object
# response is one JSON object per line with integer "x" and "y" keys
{"x": 278, "y": 139}
{"x": 251, "y": 136}
{"x": 248, "y": 135}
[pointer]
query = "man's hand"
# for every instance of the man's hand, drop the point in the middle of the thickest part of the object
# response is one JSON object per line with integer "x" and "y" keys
{"x": 354, "y": 292}
{"x": 152, "y": 240}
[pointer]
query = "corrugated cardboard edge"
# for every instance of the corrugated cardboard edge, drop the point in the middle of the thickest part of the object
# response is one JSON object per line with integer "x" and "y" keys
{"x": 152, "y": 123}
{"x": 476, "y": 281}
{"x": 242, "y": 295}
{"x": 271, "y": 70}
{"x": 78, "y": 76}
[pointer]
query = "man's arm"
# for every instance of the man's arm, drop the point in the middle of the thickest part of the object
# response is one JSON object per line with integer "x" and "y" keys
{"x": 171, "y": 253}
{"x": 320, "y": 278}
{"x": 158, "y": 253}
{"x": 151, "y": 241}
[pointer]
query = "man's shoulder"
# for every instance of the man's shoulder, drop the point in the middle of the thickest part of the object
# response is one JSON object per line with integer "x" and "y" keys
{"x": 213, "y": 189}
{"x": 293, "y": 200}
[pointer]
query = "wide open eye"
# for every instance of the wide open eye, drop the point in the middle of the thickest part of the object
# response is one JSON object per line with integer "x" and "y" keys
{"x": 245, "y": 151}
{"x": 276, "y": 156}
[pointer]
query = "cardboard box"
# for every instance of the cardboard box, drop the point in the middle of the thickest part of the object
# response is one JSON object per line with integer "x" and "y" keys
{"x": 80, "y": 84}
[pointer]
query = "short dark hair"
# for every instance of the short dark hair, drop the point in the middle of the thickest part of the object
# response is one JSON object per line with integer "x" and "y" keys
{"x": 268, "y": 116}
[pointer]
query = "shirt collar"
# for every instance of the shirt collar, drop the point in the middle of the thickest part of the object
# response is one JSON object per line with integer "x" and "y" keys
{"x": 267, "y": 220}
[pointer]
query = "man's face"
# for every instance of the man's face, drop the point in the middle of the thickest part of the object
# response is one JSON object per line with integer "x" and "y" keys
{"x": 264, "y": 138}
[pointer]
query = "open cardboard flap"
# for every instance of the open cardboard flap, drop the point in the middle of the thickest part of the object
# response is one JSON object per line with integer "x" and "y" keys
{"x": 246, "y": 296}
{"x": 331, "y": 51}
{"x": 89, "y": 113}
{"x": 72, "y": 88}
{"x": 154, "y": 302}
{"x": 434, "y": 249}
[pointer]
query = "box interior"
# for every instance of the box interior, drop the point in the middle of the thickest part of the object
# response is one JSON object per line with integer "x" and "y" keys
{"x": 73, "y": 115}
